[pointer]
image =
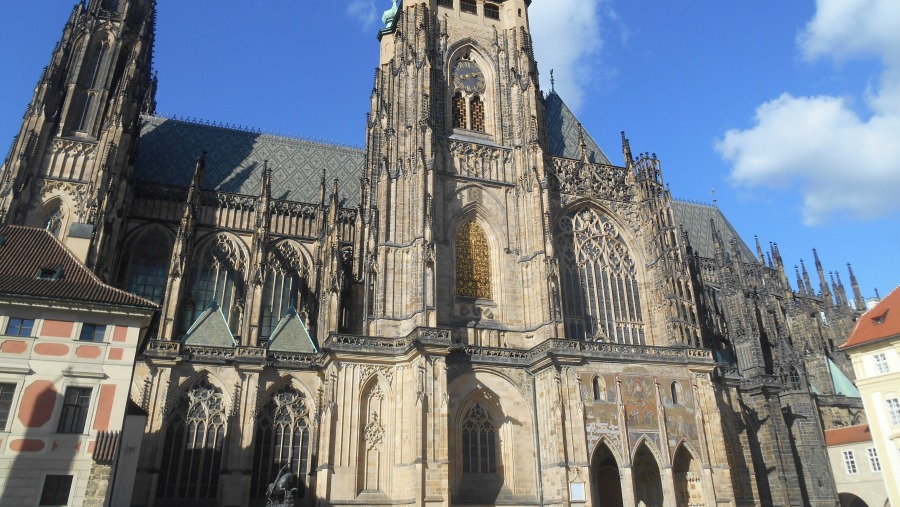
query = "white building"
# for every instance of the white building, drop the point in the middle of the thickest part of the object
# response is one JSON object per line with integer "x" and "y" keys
{"x": 874, "y": 348}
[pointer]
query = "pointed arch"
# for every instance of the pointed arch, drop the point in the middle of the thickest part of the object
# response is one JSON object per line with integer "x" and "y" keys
{"x": 598, "y": 388}
{"x": 145, "y": 266}
{"x": 53, "y": 217}
{"x": 686, "y": 473}
{"x": 282, "y": 439}
{"x": 677, "y": 393}
{"x": 216, "y": 275}
{"x": 601, "y": 278}
{"x": 647, "y": 488}
{"x": 606, "y": 482}
{"x": 374, "y": 443}
{"x": 473, "y": 261}
{"x": 193, "y": 443}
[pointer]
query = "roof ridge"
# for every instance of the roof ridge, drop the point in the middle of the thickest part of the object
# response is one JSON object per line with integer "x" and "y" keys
{"x": 245, "y": 130}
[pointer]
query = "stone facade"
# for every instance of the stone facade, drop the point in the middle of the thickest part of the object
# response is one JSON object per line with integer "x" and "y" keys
{"x": 493, "y": 314}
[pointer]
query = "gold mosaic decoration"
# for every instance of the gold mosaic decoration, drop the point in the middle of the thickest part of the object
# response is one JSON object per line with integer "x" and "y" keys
{"x": 473, "y": 262}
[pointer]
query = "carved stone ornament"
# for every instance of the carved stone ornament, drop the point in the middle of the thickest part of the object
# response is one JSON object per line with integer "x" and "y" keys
{"x": 480, "y": 161}
{"x": 595, "y": 180}
{"x": 374, "y": 432}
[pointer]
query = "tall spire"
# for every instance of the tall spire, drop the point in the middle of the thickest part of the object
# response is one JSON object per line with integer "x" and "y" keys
{"x": 806, "y": 282}
{"x": 759, "y": 251}
{"x": 857, "y": 294}
{"x": 800, "y": 287}
{"x": 823, "y": 285}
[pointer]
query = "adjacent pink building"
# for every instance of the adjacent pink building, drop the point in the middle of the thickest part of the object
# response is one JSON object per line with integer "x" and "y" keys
{"x": 67, "y": 349}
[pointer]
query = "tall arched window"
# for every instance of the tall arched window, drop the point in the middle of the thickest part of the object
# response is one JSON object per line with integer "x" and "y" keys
{"x": 282, "y": 442}
{"x": 216, "y": 276}
{"x": 192, "y": 449}
{"x": 90, "y": 81}
{"x": 479, "y": 442}
{"x": 53, "y": 219}
{"x": 601, "y": 297}
{"x": 473, "y": 262}
{"x": 795, "y": 377}
{"x": 147, "y": 268}
{"x": 283, "y": 287}
{"x": 459, "y": 111}
{"x": 599, "y": 388}
{"x": 677, "y": 394}
{"x": 477, "y": 120}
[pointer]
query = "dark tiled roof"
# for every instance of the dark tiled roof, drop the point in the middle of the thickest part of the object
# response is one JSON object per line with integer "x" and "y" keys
{"x": 169, "y": 149}
{"x": 26, "y": 251}
{"x": 882, "y": 321}
{"x": 695, "y": 220}
{"x": 563, "y": 133}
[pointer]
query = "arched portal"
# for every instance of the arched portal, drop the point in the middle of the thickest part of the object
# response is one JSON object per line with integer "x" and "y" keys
{"x": 605, "y": 481}
{"x": 851, "y": 500}
{"x": 688, "y": 487}
{"x": 648, "y": 490}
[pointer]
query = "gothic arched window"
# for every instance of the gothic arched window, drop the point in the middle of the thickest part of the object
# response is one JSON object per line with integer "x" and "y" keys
{"x": 473, "y": 262}
{"x": 677, "y": 394}
{"x": 216, "y": 276}
{"x": 53, "y": 220}
{"x": 283, "y": 287}
{"x": 192, "y": 449}
{"x": 282, "y": 441}
{"x": 148, "y": 267}
{"x": 795, "y": 377}
{"x": 479, "y": 442}
{"x": 599, "y": 389}
{"x": 459, "y": 111}
{"x": 477, "y": 120}
{"x": 601, "y": 297}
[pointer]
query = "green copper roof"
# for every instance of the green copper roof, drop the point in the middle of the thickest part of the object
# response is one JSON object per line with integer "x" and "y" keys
{"x": 210, "y": 329}
{"x": 290, "y": 335}
{"x": 842, "y": 385}
{"x": 390, "y": 15}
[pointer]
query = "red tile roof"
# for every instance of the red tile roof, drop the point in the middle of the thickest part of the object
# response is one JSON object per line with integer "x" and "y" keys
{"x": 26, "y": 251}
{"x": 848, "y": 435}
{"x": 882, "y": 321}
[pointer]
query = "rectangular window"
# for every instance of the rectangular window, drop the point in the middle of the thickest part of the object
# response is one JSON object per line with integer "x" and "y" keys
{"x": 92, "y": 333}
{"x": 19, "y": 327}
{"x": 893, "y": 406}
{"x": 881, "y": 363}
{"x": 75, "y": 410}
{"x": 445, "y": 3}
{"x": 6, "y": 399}
{"x": 56, "y": 490}
{"x": 491, "y": 11}
{"x": 468, "y": 6}
{"x": 874, "y": 462}
{"x": 850, "y": 462}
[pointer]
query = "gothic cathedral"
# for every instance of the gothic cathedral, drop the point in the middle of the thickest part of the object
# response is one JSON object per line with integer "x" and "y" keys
{"x": 480, "y": 308}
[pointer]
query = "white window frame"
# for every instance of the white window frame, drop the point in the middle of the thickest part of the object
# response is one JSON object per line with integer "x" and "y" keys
{"x": 850, "y": 463}
{"x": 874, "y": 462}
{"x": 893, "y": 408}
{"x": 881, "y": 363}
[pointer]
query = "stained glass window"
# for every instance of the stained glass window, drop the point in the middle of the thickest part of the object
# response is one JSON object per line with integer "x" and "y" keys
{"x": 282, "y": 440}
{"x": 479, "y": 442}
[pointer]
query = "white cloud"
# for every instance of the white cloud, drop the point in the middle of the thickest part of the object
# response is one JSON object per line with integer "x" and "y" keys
{"x": 843, "y": 163}
{"x": 364, "y": 12}
{"x": 568, "y": 35}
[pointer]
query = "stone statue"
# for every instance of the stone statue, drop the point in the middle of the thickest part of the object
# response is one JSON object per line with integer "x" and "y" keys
{"x": 282, "y": 492}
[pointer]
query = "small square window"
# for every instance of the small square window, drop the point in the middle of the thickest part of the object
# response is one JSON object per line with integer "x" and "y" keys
{"x": 19, "y": 327}
{"x": 49, "y": 274}
{"x": 75, "y": 410}
{"x": 92, "y": 333}
{"x": 6, "y": 399}
{"x": 56, "y": 490}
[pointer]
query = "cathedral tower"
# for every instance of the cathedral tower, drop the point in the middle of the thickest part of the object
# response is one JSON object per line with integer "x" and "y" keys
{"x": 456, "y": 154}
{"x": 64, "y": 170}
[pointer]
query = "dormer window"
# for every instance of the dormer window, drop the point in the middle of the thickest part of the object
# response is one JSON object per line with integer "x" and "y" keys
{"x": 491, "y": 11}
{"x": 49, "y": 274}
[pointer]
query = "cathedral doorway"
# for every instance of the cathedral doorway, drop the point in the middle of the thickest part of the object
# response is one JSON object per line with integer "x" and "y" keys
{"x": 605, "y": 480}
{"x": 648, "y": 490}
{"x": 688, "y": 488}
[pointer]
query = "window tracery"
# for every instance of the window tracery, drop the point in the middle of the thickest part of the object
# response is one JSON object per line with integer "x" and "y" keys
{"x": 601, "y": 295}
{"x": 192, "y": 449}
{"x": 53, "y": 222}
{"x": 473, "y": 262}
{"x": 282, "y": 440}
{"x": 479, "y": 442}
{"x": 284, "y": 286}
{"x": 215, "y": 277}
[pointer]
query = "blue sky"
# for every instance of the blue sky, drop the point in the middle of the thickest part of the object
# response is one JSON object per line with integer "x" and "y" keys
{"x": 789, "y": 109}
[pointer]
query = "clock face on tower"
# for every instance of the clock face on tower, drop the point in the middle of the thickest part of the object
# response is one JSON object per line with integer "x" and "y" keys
{"x": 468, "y": 77}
